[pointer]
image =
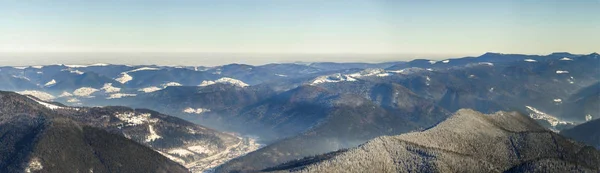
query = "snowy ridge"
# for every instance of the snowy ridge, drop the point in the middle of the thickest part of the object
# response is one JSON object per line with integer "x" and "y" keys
{"x": 539, "y": 115}
{"x": 124, "y": 77}
{"x": 332, "y": 78}
{"x": 47, "y": 105}
{"x": 225, "y": 80}
{"x": 338, "y": 77}
{"x": 38, "y": 94}
{"x": 566, "y": 59}
{"x": 407, "y": 70}
{"x": 50, "y": 83}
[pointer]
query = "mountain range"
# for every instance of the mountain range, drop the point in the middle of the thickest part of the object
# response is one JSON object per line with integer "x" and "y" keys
{"x": 301, "y": 116}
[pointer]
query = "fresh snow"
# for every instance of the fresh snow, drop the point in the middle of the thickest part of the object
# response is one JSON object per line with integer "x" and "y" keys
{"x": 190, "y": 110}
{"x": 50, "y": 83}
{"x": 561, "y": 72}
{"x": 108, "y": 88}
{"x": 84, "y": 91}
{"x": 149, "y": 89}
{"x": 530, "y": 60}
{"x": 38, "y": 94}
{"x": 225, "y": 80}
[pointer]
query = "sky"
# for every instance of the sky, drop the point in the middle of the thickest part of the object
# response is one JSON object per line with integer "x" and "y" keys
{"x": 207, "y": 32}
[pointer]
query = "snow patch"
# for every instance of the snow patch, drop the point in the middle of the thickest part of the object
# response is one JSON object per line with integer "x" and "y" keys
{"x": 38, "y": 94}
{"x": 133, "y": 119}
{"x": 73, "y": 100}
{"x": 65, "y": 94}
{"x": 108, "y": 88}
{"x": 37, "y": 66}
{"x": 85, "y": 92}
{"x": 446, "y": 61}
{"x": 530, "y": 60}
{"x": 566, "y": 59}
{"x": 432, "y": 62}
{"x": 558, "y": 100}
{"x": 383, "y": 75}
{"x": 171, "y": 84}
{"x": 124, "y": 78}
{"x": 561, "y": 72}
{"x": 190, "y": 110}
{"x": 152, "y": 136}
{"x": 149, "y": 89}
{"x": 588, "y": 117}
{"x": 120, "y": 95}
{"x": 34, "y": 165}
{"x": 47, "y": 105}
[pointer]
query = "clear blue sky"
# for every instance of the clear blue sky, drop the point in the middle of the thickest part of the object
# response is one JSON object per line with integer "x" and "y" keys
{"x": 425, "y": 27}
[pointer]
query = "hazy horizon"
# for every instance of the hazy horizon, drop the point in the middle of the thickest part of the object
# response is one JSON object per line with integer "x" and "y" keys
{"x": 209, "y": 59}
{"x": 267, "y": 31}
